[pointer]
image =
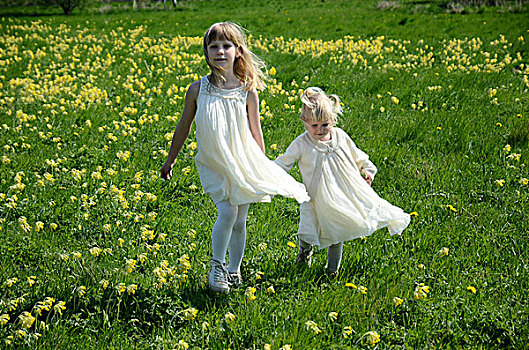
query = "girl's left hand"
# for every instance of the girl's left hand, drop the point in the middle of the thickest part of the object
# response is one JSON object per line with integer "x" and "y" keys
{"x": 368, "y": 179}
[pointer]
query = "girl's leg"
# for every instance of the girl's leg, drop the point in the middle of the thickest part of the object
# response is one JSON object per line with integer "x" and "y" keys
{"x": 238, "y": 240}
{"x": 334, "y": 257}
{"x": 222, "y": 230}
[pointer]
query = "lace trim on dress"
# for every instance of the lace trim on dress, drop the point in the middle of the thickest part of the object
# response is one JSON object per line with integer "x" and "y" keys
{"x": 213, "y": 90}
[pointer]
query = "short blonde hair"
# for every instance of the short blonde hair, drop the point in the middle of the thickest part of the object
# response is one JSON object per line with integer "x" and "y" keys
{"x": 319, "y": 107}
{"x": 248, "y": 68}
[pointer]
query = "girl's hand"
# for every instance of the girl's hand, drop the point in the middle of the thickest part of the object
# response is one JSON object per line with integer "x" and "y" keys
{"x": 368, "y": 179}
{"x": 166, "y": 172}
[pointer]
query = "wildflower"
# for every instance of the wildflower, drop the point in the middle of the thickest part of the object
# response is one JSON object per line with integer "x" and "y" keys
{"x": 23, "y": 223}
{"x": 262, "y": 246}
{"x": 291, "y": 244}
{"x": 26, "y": 319}
{"x": 500, "y": 183}
{"x": 312, "y": 326}
{"x": 347, "y": 331}
{"x": 182, "y": 345}
{"x": 273, "y": 147}
{"x": 420, "y": 266}
{"x": 250, "y": 293}
{"x": 414, "y": 214}
{"x": 471, "y": 289}
{"x": 81, "y": 291}
{"x": 362, "y": 289}
{"x": 272, "y": 71}
{"x": 95, "y": 251}
{"x": 121, "y": 287}
{"x": 229, "y": 317}
{"x": 351, "y": 285}
{"x": 267, "y": 347}
{"x": 205, "y": 326}
{"x": 286, "y": 347}
{"x": 439, "y": 128}
{"x": 39, "y": 225}
{"x": 54, "y": 226}
{"x": 121, "y": 241}
{"x": 132, "y": 288}
{"x": 421, "y": 291}
{"x": 130, "y": 265}
{"x": 382, "y": 109}
{"x": 397, "y": 301}
{"x": 190, "y": 313}
{"x": 20, "y": 333}
{"x": 443, "y": 252}
{"x": 10, "y": 282}
{"x": 4, "y": 319}
{"x": 499, "y": 125}
{"x": 524, "y": 181}
{"x": 186, "y": 170}
{"x": 372, "y": 338}
{"x": 507, "y": 148}
{"x": 59, "y": 307}
{"x": 104, "y": 283}
{"x": 333, "y": 316}
{"x": 451, "y": 208}
{"x": 270, "y": 289}
{"x": 395, "y": 100}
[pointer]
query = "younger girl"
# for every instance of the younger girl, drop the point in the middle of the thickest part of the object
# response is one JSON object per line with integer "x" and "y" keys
{"x": 338, "y": 177}
{"x": 231, "y": 162}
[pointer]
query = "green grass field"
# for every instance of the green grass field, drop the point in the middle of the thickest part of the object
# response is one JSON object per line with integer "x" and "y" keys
{"x": 97, "y": 251}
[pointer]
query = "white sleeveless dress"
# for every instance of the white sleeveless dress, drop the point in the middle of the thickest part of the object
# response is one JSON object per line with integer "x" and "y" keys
{"x": 230, "y": 164}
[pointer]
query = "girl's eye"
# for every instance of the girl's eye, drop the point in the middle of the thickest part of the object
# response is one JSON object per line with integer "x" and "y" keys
{"x": 314, "y": 125}
{"x": 227, "y": 46}
{"x": 325, "y": 125}
{"x": 213, "y": 46}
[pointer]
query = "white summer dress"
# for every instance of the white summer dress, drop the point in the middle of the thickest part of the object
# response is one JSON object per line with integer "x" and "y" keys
{"x": 343, "y": 206}
{"x": 230, "y": 164}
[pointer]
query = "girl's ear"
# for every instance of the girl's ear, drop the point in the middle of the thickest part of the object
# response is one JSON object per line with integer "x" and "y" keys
{"x": 238, "y": 52}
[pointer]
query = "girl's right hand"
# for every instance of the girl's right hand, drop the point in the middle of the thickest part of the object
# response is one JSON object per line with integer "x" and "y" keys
{"x": 166, "y": 172}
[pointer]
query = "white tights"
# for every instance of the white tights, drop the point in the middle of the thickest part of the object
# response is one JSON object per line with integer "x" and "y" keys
{"x": 230, "y": 230}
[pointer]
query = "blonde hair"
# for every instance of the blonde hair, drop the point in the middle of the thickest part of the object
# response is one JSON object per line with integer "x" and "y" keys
{"x": 319, "y": 107}
{"x": 248, "y": 68}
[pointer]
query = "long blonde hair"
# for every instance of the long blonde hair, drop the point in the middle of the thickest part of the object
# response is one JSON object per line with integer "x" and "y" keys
{"x": 248, "y": 68}
{"x": 319, "y": 107}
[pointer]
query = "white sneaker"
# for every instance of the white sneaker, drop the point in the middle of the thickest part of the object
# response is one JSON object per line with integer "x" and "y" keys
{"x": 218, "y": 277}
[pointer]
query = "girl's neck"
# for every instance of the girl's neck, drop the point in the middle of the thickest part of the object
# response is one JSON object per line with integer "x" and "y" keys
{"x": 230, "y": 81}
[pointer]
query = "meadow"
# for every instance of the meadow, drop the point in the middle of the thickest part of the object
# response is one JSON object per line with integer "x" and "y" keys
{"x": 97, "y": 251}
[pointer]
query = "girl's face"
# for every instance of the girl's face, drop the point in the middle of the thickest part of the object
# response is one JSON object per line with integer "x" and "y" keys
{"x": 320, "y": 131}
{"x": 222, "y": 53}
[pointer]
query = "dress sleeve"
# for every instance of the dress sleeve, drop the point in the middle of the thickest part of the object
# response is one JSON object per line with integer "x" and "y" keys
{"x": 291, "y": 155}
{"x": 362, "y": 159}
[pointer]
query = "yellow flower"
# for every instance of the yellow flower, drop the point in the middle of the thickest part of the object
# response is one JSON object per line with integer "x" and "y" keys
{"x": 451, "y": 208}
{"x": 524, "y": 182}
{"x": 439, "y": 128}
{"x": 471, "y": 289}
{"x": 104, "y": 283}
{"x": 182, "y": 345}
{"x": 26, "y": 319}
{"x": 362, "y": 289}
{"x": 347, "y": 331}
{"x": 507, "y": 148}
{"x": 443, "y": 252}
{"x": 333, "y": 316}
{"x": 499, "y": 125}
{"x": 273, "y": 147}
{"x": 270, "y": 289}
{"x": 351, "y": 285}
{"x": 500, "y": 183}
{"x": 414, "y": 214}
{"x": 190, "y": 313}
{"x": 4, "y": 319}
{"x": 291, "y": 244}
{"x": 59, "y": 307}
{"x": 397, "y": 301}
{"x": 95, "y": 251}
{"x": 132, "y": 288}
{"x": 272, "y": 71}
{"x": 312, "y": 326}
{"x": 81, "y": 291}
{"x": 121, "y": 287}
{"x": 262, "y": 246}
{"x": 421, "y": 291}
{"x": 250, "y": 293}
{"x": 372, "y": 338}
{"x": 229, "y": 317}
{"x": 205, "y": 326}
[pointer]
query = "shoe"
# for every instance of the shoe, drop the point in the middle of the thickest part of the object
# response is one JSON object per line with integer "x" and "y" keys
{"x": 332, "y": 274}
{"x": 304, "y": 256}
{"x": 218, "y": 277}
{"x": 234, "y": 279}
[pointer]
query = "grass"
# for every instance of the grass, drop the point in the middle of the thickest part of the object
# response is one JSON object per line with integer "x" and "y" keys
{"x": 87, "y": 104}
